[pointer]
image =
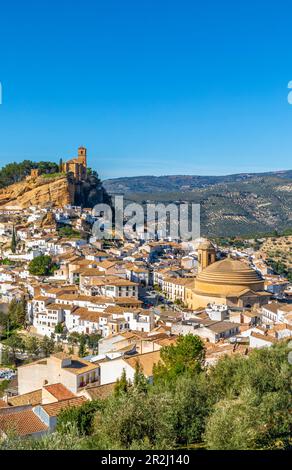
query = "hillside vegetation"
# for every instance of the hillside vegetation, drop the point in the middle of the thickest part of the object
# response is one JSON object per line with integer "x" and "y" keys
{"x": 15, "y": 172}
{"x": 230, "y": 205}
{"x": 239, "y": 403}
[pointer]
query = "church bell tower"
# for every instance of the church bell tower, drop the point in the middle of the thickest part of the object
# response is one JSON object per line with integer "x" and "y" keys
{"x": 206, "y": 255}
{"x": 82, "y": 156}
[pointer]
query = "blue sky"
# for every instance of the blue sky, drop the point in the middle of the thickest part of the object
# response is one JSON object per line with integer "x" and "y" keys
{"x": 149, "y": 86}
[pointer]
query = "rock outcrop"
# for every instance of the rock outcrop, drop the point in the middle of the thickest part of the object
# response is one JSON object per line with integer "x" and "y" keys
{"x": 40, "y": 191}
{"x": 53, "y": 191}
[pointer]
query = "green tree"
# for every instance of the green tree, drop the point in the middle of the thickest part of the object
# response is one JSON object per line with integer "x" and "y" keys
{"x": 47, "y": 346}
{"x": 59, "y": 328}
{"x": 3, "y": 387}
{"x": 74, "y": 338}
{"x": 20, "y": 312}
{"x": 17, "y": 314}
{"x": 122, "y": 384}
{"x": 80, "y": 416}
{"x": 12, "y": 315}
{"x": 41, "y": 266}
{"x": 5, "y": 356}
{"x": 51, "y": 441}
{"x": 132, "y": 420}
{"x": 93, "y": 340}
{"x": 14, "y": 172}
{"x": 186, "y": 355}
{"x": 68, "y": 232}
{"x": 15, "y": 344}
{"x": 4, "y": 324}
{"x": 13, "y": 240}
{"x": 189, "y": 410}
{"x": 82, "y": 346}
{"x": 231, "y": 426}
{"x": 32, "y": 346}
{"x": 140, "y": 382}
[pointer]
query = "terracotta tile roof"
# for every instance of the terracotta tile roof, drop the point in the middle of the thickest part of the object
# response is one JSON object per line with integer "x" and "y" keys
{"x": 268, "y": 338}
{"x": 127, "y": 300}
{"x": 114, "y": 309}
{"x": 88, "y": 315}
{"x": 101, "y": 391}
{"x": 221, "y": 326}
{"x": 23, "y": 423}
{"x": 80, "y": 366}
{"x": 54, "y": 306}
{"x": 146, "y": 361}
{"x": 89, "y": 272}
{"x": 112, "y": 281}
{"x": 96, "y": 299}
{"x": 59, "y": 391}
{"x": 31, "y": 398}
{"x": 53, "y": 409}
{"x": 42, "y": 298}
{"x": 61, "y": 355}
{"x": 107, "y": 264}
{"x": 166, "y": 341}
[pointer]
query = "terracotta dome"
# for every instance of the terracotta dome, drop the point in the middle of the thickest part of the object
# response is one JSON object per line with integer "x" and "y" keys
{"x": 228, "y": 276}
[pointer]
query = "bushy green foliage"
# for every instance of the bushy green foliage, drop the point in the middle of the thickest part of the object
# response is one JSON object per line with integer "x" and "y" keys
{"x": 3, "y": 386}
{"x": 242, "y": 402}
{"x": 41, "y": 266}
{"x": 68, "y": 232}
{"x": 59, "y": 328}
{"x": 82, "y": 346}
{"x": 53, "y": 175}
{"x": 14, "y": 172}
{"x": 47, "y": 346}
{"x": 54, "y": 441}
{"x": 185, "y": 356}
{"x": 6, "y": 262}
{"x": 14, "y": 319}
{"x": 32, "y": 346}
{"x": 15, "y": 344}
{"x": 79, "y": 416}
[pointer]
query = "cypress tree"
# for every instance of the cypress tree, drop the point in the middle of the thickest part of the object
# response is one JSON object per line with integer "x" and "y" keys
{"x": 13, "y": 241}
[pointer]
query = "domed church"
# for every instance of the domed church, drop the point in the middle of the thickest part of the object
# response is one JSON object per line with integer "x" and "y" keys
{"x": 229, "y": 281}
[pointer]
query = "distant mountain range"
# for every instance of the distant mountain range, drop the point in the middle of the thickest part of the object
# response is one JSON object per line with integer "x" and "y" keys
{"x": 239, "y": 204}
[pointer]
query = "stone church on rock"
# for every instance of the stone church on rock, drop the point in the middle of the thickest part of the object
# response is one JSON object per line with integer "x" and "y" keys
{"x": 78, "y": 165}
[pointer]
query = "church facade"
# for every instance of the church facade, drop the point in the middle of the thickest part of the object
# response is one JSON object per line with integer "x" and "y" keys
{"x": 229, "y": 281}
{"x": 78, "y": 165}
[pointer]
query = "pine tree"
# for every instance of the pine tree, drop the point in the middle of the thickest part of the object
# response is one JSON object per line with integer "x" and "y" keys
{"x": 122, "y": 384}
{"x": 140, "y": 381}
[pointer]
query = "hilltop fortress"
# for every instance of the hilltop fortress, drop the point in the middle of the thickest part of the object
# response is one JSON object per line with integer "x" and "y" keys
{"x": 72, "y": 185}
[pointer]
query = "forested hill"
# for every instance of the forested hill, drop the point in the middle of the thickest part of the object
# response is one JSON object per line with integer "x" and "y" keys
{"x": 168, "y": 183}
{"x": 242, "y": 204}
{"x": 15, "y": 172}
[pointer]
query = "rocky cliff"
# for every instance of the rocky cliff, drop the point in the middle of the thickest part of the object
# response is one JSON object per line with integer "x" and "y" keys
{"x": 54, "y": 191}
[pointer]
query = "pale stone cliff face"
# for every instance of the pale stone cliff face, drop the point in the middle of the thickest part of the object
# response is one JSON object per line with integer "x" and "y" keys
{"x": 39, "y": 191}
{"x": 55, "y": 191}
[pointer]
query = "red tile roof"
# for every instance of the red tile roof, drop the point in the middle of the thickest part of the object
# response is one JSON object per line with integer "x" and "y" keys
{"x": 59, "y": 391}
{"x": 53, "y": 409}
{"x": 23, "y": 423}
